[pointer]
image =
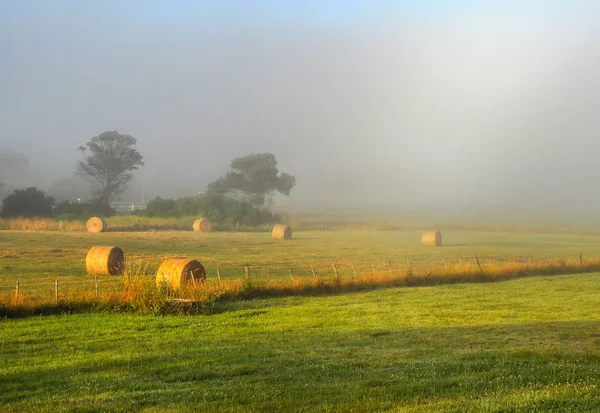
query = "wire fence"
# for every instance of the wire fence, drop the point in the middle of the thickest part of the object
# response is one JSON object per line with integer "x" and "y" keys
{"x": 72, "y": 285}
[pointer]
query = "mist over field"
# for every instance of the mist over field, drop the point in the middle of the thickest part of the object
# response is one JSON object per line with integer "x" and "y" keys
{"x": 387, "y": 104}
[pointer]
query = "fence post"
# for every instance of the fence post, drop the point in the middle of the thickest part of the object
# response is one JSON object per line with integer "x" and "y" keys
{"x": 56, "y": 291}
{"x": 291, "y": 273}
{"x": 312, "y": 269}
{"x": 478, "y": 264}
{"x": 247, "y": 271}
{"x": 17, "y": 293}
{"x": 219, "y": 277}
{"x": 96, "y": 280}
{"x": 335, "y": 270}
{"x": 580, "y": 258}
{"x": 354, "y": 270}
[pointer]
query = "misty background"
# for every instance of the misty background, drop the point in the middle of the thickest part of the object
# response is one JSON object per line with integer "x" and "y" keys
{"x": 395, "y": 104}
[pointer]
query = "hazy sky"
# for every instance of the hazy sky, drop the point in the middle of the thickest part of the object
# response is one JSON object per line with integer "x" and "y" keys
{"x": 389, "y": 102}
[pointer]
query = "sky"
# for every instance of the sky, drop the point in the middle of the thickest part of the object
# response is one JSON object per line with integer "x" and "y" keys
{"x": 396, "y": 103}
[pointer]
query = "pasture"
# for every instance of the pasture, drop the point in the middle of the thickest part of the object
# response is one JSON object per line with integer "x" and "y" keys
{"x": 37, "y": 259}
{"x": 521, "y": 345}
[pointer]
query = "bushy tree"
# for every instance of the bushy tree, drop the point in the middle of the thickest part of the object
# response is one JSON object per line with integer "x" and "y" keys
{"x": 72, "y": 210}
{"x": 160, "y": 207}
{"x": 30, "y": 202}
{"x": 218, "y": 208}
{"x": 253, "y": 176}
{"x": 112, "y": 157}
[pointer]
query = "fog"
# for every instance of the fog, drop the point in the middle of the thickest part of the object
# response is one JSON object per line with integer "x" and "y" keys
{"x": 368, "y": 105}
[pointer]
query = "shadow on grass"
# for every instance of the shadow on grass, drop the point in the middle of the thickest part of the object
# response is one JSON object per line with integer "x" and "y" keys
{"x": 512, "y": 366}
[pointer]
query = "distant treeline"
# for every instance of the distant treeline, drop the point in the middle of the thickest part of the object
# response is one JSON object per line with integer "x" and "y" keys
{"x": 220, "y": 209}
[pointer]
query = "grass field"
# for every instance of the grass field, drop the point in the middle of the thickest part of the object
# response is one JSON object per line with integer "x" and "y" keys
{"x": 530, "y": 344}
{"x": 37, "y": 259}
{"x": 524, "y": 345}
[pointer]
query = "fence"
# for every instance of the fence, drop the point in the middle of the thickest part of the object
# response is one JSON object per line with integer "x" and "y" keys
{"x": 94, "y": 286}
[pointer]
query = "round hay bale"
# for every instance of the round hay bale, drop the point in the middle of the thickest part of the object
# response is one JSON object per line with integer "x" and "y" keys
{"x": 202, "y": 225}
{"x": 176, "y": 273}
{"x": 282, "y": 232}
{"x": 432, "y": 239}
{"x": 105, "y": 261}
{"x": 96, "y": 225}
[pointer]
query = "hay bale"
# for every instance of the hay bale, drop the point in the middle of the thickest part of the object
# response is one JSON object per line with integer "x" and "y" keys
{"x": 105, "y": 261}
{"x": 96, "y": 225}
{"x": 282, "y": 232}
{"x": 432, "y": 239}
{"x": 202, "y": 225}
{"x": 178, "y": 272}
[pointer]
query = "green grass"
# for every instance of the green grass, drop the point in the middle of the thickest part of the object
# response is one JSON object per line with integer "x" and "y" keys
{"x": 530, "y": 344}
{"x": 37, "y": 259}
{"x": 524, "y": 345}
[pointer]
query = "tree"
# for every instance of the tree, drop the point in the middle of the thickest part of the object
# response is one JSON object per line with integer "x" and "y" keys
{"x": 30, "y": 202}
{"x": 253, "y": 176}
{"x": 112, "y": 157}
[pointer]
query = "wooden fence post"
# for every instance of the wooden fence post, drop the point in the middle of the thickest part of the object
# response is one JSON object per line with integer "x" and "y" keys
{"x": 56, "y": 291}
{"x": 17, "y": 293}
{"x": 478, "y": 264}
{"x": 312, "y": 269}
{"x": 96, "y": 280}
{"x": 335, "y": 270}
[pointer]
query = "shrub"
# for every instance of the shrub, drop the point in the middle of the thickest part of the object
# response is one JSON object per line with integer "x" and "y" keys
{"x": 30, "y": 202}
{"x": 218, "y": 208}
{"x": 160, "y": 207}
{"x": 67, "y": 209}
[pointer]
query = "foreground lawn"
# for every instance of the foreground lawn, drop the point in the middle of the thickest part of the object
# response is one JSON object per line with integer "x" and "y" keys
{"x": 524, "y": 345}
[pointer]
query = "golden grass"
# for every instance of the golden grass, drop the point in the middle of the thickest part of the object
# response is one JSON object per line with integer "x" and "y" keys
{"x": 140, "y": 292}
{"x": 116, "y": 224}
{"x": 40, "y": 224}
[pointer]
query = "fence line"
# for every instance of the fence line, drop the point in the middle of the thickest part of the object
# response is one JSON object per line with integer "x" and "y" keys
{"x": 338, "y": 269}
